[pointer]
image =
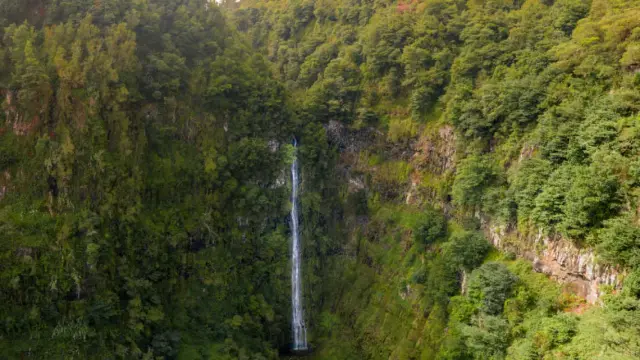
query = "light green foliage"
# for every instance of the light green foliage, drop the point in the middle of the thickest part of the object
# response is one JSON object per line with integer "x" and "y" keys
{"x": 402, "y": 130}
{"x": 606, "y": 333}
{"x": 531, "y": 325}
{"x": 632, "y": 284}
{"x": 545, "y": 336}
{"x": 486, "y": 337}
{"x": 555, "y": 331}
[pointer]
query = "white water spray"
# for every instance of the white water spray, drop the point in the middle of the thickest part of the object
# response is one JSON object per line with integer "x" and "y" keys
{"x": 297, "y": 319}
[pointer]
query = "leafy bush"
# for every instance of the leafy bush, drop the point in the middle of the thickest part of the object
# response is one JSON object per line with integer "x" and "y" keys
{"x": 632, "y": 283}
{"x": 474, "y": 175}
{"x": 487, "y": 337}
{"x": 618, "y": 242}
{"x": 549, "y": 203}
{"x": 466, "y": 249}
{"x": 430, "y": 227}
{"x": 527, "y": 184}
{"x": 491, "y": 284}
{"x": 592, "y": 197}
{"x": 555, "y": 331}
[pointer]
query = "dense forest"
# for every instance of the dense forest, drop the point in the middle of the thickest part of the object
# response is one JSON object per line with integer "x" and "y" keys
{"x": 145, "y": 148}
{"x": 141, "y": 214}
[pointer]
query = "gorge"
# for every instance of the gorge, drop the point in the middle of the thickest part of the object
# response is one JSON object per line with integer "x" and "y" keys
{"x": 463, "y": 180}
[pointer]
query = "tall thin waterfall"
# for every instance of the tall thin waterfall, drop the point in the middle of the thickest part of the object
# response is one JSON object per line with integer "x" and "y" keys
{"x": 297, "y": 320}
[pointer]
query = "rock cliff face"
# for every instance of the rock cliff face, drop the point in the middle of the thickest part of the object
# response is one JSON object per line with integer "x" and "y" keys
{"x": 5, "y": 179}
{"x": 560, "y": 259}
{"x": 436, "y": 152}
{"x": 434, "y": 155}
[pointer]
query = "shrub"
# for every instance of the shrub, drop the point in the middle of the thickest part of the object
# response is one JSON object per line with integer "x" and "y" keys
{"x": 487, "y": 338}
{"x": 527, "y": 184}
{"x": 632, "y": 283}
{"x": 467, "y": 249}
{"x": 474, "y": 175}
{"x": 548, "y": 204}
{"x": 592, "y": 197}
{"x": 555, "y": 331}
{"x": 491, "y": 284}
{"x": 430, "y": 227}
{"x": 619, "y": 242}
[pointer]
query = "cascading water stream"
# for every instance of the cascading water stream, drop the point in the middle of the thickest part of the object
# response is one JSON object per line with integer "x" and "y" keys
{"x": 297, "y": 319}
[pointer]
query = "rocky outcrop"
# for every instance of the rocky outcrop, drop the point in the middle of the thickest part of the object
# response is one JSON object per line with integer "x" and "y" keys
{"x": 350, "y": 140}
{"x": 15, "y": 121}
{"x": 434, "y": 156}
{"x": 435, "y": 152}
{"x": 560, "y": 259}
{"x": 5, "y": 179}
{"x": 355, "y": 184}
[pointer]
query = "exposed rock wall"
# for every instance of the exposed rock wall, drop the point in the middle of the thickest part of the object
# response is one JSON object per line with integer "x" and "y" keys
{"x": 350, "y": 140}
{"x": 434, "y": 155}
{"x": 5, "y": 179}
{"x": 560, "y": 259}
{"x": 436, "y": 152}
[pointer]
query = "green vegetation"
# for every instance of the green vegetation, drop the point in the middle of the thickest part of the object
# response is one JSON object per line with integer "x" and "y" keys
{"x": 542, "y": 99}
{"x": 430, "y": 227}
{"x": 135, "y": 140}
{"x": 143, "y": 147}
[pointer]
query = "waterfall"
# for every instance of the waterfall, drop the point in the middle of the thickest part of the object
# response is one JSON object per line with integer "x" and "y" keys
{"x": 297, "y": 319}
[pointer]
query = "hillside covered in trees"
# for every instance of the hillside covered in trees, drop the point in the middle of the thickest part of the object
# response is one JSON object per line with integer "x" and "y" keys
{"x": 145, "y": 148}
{"x": 459, "y": 122}
{"x": 141, "y": 214}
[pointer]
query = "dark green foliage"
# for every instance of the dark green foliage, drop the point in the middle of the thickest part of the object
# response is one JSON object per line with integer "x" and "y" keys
{"x": 466, "y": 249}
{"x": 474, "y": 175}
{"x": 542, "y": 96}
{"x": 142, "y": 148}
{"x": 491, "y": 284}
{"x": 430, "y": 227}
{"x": 142, "y": 215}
{"x": 592, "y": 197}
{"x": 487, "y": 337}
{"x": 527, "y": 184}
{"x": 619, "y": 242}
{"x": 549, "y": 203}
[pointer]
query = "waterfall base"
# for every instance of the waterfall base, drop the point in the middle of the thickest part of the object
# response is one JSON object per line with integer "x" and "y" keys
{"x": 288, "y": 352}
